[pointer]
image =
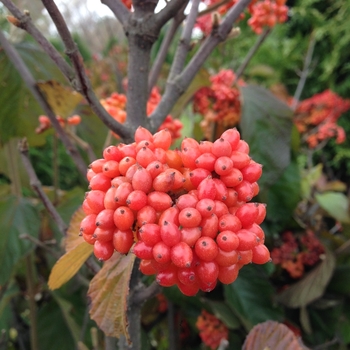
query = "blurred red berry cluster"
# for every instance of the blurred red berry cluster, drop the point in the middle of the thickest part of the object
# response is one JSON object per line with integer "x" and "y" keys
{"x": 116, "y": 105}
{"x": 211, "y": 329}
{"x": 219, "y": 103}
{"x": 45, "y": 123}
{"x": 317, "y": 116}
{"x": 298, "y": 252}
{"x": 266, "y": 13}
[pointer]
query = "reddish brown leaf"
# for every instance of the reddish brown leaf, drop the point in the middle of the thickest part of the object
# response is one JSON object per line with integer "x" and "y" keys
{"x": 72, "y": 238}
{"x": 272, "y": 335}
{"x": 108, "y": 292}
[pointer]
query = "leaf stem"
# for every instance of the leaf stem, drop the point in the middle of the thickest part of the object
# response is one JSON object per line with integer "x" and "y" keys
{"x": 35, "y": 183}
{"x": 30, "y": 282}
{"x": 251, "y": 53}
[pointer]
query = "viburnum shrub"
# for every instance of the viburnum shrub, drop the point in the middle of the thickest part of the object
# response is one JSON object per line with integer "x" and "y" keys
{"x": 187, "y": 214}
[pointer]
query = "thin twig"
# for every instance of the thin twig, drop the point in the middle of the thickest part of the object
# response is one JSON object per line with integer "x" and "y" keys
{"x": 168, "y": 12}
{"x": 40, "y": 244}
{"x": 31, "y": 84}
{"x": 24, "y": 21}
{"x": 30, "y": 283}
{"x": 185, "y": 41}
{"x": 119, "y": 9}
{"x": 84, "y": 145}
{"x": 146, "y": 293}
{"x": 251, "y": 53}
{"x": 305, "y": 72}
{"x": 213, "y": 7}
{"x": 164, "y": 48}
{"x": 176, "y": 87}
{"x": 36, "y": 184}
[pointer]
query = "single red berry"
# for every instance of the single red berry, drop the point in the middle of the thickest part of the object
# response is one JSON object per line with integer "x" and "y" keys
{"x": 232, "y": 136}
{"x": 142, "y": 180}
{"x": 210, "y": 226}
{"x": 95, "y": 200}
{"x": 206, "y": 207}
{"x": 189, "y": 290}
{"x": 261, "y": 254}
{"x": 142, "y": 250}
{"x": 227, "y": 241}
{"x": 206, "y": 161}
{"x": 104, "y": 219}
{"x": 136, "y": 200}
{"x": 181, "y": 255}
{"x": 100, "y": 182}
{"x": 207, "y": 272}
{"x": 226, "y": 258}
{"x": 189, "y": 217}
{"x": 229, "y": 222}
{"x": 187, "y": 276}
{"x": 112, "y": 153}
{"x": 103, "y": 250}
{"x": 88, "y": 224}
{"x": 125, "y": 164}
{"x": 245, "y": 257}
{"x": 162, "y": 139}
{"x": 252, "y": 172}
{"x": 170, "y": 233}
{"x": 160, "y": 201}
{"x": 161, "y": 252}
{"x": 104, "y": 234}
{"x": 123, "y": 218}
{"x": 221, "y": 148}
{"x": 147, "y": 268}
{"x": 109, "y": 201}
{"x": 206, "y": 249}
{"x": 146, "y": 215}
{"x": 141, "y": 134}
{"x": 150, "y": 234}
{"x": 186, "y": 201}
{"x": 223, "y": 165}
{"x": 240, "y": 159}
{"x": 168, "y": 277}
{"x": 111, "y": 168}
{"x": 190, "y": 235}
{"x": 233, "y": 178}
{"x": 97, "y": 165}
{"x": 247, "y": 214}
{"x": 247, "y": 240}
{"x": 206, "y": 189}
{"x": 228, "y": 274}
{"x": 122, "y": 193}
{"x": 145, "y": 156}
{"x": 198, "y": 175}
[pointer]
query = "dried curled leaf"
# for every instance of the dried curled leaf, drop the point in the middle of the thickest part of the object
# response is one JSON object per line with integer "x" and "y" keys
{"x": 62, "y": 100}
{"x": 72, "y": 238}
{"x": 69, "y": 264}
{"x": 108, "y": 293}
{"x": 271, "y": 335}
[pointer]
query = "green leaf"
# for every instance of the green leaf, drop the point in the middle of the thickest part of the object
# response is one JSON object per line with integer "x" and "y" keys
{"x": 20, "y": 111}
{"x": 108, "y": 292}
{"x": 53, "y": 332}
{"x": 282, "y": 197}
{"x": 224, "y": 313}
{"x": 17, "y": 216}
{"x": 335, "y": 204}
{"x": 337, "y": 285}
{"x": 66, "y": 309}
{"x": 266, "y": 124}
{"x": 250, "y": 297}
{"x": 311, "y": 286}
{"x": 309, "y": 180}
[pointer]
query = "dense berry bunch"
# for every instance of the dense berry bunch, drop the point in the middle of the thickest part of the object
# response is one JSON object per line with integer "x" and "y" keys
{"x": 219, "y": 103}
{"x": 297, "y": 253}
{"x": 187, "y": 210}
{"x": 211, "y": 329}
{"x": 267, "y": 13}
{"x": 45, "y": 123}
{"x": 316, "y": 118}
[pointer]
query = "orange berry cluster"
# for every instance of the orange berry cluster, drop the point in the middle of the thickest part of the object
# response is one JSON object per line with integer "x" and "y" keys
{"x": 298, "y": 252}
{"x": 211, "y": 329}
{"x": 185, "y": 213}
{"x": 45, "y": 123}
{"x": 316, "y": 117}
{"x": 265, "y": 13}
{"x": 219, "y": 103}
{"x": 116, "y": 104}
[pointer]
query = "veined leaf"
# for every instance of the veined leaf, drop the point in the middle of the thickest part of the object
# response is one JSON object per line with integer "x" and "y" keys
{"x": 335, "y": 204}
{"x": 72, "y": 238}
{"x": 311, "y": 287}
{"x": 266, "y": 125}
{"x": 17, "y": 216}
{"x": 69, "y": 264}
{"x": 108, "y": 292}
{"x": 272, "y": 335}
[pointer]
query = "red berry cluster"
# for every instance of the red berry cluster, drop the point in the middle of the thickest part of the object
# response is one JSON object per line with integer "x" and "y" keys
{"x": 211, "y": 329}
{"x": 187, "y": 210}
{"x": 297, "y": 253}
{"x": 219, "y": 103}
{"x": 317, "y": 116}
{"x": 116, "y": 104}
{"x": 45, "y": 123}
{"x": 265, "y": 13}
